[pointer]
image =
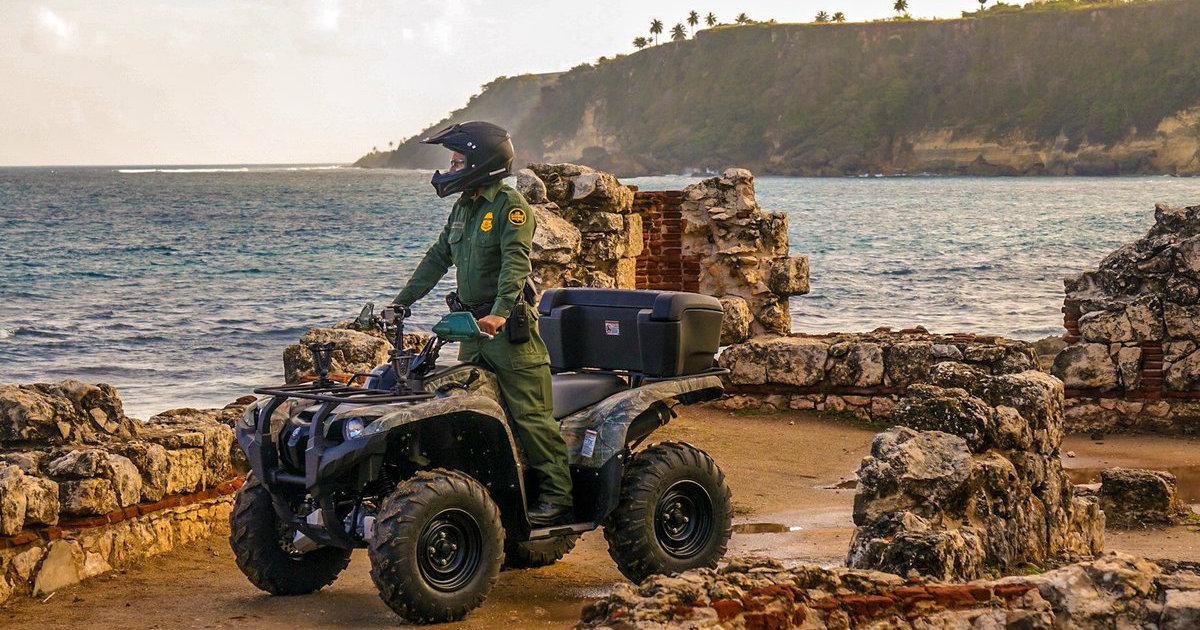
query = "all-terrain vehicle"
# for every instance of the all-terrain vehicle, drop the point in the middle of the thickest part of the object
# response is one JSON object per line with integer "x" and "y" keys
{"x": 418, "y": 463}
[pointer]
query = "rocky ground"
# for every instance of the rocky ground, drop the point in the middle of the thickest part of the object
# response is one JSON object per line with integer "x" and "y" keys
{"x": 784, "y": 470}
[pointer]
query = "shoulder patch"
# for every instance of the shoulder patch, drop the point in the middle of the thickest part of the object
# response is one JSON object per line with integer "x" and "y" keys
{"x": 517, "y": 216}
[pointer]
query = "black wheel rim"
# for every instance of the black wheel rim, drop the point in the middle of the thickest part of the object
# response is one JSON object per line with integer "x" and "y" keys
{"x": 449, "y": 550}
{"x": 683, "y": 519}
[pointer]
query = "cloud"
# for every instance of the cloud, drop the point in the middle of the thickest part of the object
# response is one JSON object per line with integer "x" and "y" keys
{"x": 56, "y": 26}
{"x": 49, "y": 33}
{"x": 326, "y": 15}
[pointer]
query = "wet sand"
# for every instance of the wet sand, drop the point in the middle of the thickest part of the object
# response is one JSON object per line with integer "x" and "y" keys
{"x": 783, "y": 469}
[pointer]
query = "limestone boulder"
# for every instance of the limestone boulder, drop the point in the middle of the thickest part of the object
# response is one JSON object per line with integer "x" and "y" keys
{"x": 796, "y": 361}
{"x": 531, "y": 187}
{"x": 574, "y": 186}
{"x": 41, "y": 501}
{"x": 856, "y": 364}
{"x": 746, "y": 362}
{"x": 62, "y": 413}
{"x": 185, "y": 470}
{"x": 911, "y": 471}
{"x": 1132, "y": 497}
{"x": 12, "y": 500}
{"x": 1086, "y": 366}
{"x": 555, "y": 241}
{"x": 735, "y": 324}
{"x": 152, "y": 465}
{"x": 354, "y": 352}
{"x": 1184, "y": 374}
{"x": 1106, "y": 327}
{"x": 908, "y": 362}
{"x": 87, "y": 497}
{"x": 953, "y": 411}
{"x": 196, "y": 428}
{"x": 789, "y": 276}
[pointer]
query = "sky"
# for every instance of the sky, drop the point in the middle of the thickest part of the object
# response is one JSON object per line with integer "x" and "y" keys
{"x": 91, "y": 82}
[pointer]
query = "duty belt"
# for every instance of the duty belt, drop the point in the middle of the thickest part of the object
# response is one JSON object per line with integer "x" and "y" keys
{"x": 456, "y": 305}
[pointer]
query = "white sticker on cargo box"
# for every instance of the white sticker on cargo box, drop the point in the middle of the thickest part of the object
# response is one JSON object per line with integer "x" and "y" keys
{"x": 589, "y": 443}
{"x": 612, "y": 327}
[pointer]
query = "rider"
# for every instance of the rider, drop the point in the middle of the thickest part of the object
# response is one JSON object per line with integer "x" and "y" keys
{"x": 488, "y": 237}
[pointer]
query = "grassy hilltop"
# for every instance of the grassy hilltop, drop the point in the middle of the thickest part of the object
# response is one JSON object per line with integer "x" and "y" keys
{"x": 1107, "y": 90}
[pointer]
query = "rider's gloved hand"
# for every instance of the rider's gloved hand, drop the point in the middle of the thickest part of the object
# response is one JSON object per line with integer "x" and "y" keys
{"x": 402, "y": 310}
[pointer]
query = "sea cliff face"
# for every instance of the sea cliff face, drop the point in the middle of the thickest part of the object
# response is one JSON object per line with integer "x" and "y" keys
{"x": 1095, "y": 91}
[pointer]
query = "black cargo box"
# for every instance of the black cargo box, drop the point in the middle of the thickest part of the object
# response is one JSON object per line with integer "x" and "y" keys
{"x": 656, "y": 333}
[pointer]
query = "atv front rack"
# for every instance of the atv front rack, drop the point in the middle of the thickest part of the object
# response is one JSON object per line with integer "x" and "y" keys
{"x": 338, "y": 393}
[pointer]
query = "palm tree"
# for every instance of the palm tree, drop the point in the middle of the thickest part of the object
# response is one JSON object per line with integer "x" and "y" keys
{"x": 822, "y": 17}
{"x": 693, "y": 20}
{"x": 640, "y": 42}
{"x": 678, "y": 32}
{"x": 900, "y": 6}
{"x": 710, "y": 20}
{"x": 656, "y": 27}
{"x": 839, "y": 17}
{"x": 982, "y": 4}
{"x": 742, "y": 18}
{"x": 389, "y": 145}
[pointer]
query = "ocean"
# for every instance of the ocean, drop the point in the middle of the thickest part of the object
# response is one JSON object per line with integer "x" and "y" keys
{"x": 181, "y": 286}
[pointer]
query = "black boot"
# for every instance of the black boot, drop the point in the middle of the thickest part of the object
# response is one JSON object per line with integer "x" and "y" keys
{"x": 547, "y": 514}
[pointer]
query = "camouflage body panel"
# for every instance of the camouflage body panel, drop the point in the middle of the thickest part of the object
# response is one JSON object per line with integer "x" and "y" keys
{"x": 610, "y": 419}
{"x": 459, "y": 388}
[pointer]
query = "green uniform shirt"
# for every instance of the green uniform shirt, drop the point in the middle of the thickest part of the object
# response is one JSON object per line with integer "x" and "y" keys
{"x": 487, "y": 238}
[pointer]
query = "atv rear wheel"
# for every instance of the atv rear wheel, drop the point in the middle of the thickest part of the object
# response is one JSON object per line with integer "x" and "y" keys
{"x": 675, "y": 513}
{"x": 262, "y": 546}
{"x": 531, "y": 554}
{"x": 437, "y": 547}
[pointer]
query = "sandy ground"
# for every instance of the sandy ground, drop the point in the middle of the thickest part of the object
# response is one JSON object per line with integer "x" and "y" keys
{"x": 782, "y": 468}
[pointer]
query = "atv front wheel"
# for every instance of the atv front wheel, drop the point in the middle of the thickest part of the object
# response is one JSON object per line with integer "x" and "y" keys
{"x": 262, "y": 546}
{"x": 437, "y": 547}
{"x": 531, "y": 554}
{"x": 675, "y": 513}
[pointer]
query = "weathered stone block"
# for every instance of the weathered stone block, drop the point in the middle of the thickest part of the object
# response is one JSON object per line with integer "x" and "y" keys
{"x": 185, "y": 472}
{"x": 789, "y": 276}
{"x": 856, "y": 364}
{"x": 12, "y": 500}
{"x": 1132, "y": 497}
{"x": 735, "y": 324}
{"x": 1086, "y": 366}
{"x": 87, "y": 497}
{"x": 1106, "y": 327}
{"x": 796, "y": 361}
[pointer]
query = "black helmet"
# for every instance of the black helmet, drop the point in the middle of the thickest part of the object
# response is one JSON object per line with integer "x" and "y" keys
{"x": 489, "y": 152}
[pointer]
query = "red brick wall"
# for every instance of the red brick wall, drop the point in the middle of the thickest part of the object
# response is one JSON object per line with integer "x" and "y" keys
{"x": 662, "y": 265}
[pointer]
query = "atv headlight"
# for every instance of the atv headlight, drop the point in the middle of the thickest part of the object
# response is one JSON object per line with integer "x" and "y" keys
{"x": 353, "y": 427}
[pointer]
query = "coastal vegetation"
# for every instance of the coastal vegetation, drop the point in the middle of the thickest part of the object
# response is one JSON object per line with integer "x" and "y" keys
{"x": 1067, "y": 76}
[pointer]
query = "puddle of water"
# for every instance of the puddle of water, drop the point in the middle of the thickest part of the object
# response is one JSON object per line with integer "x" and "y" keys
{"x": 764, "y": 528}
{"x": 845, "y": 484}
{"x": 1187, "y": 479}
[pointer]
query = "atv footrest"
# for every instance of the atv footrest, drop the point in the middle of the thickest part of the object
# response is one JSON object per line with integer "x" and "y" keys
{"x": 561, "y": 530}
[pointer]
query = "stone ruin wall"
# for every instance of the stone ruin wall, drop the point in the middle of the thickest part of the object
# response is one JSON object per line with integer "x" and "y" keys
{"x": 712, "y": 238}
{"x": 1133, "y": 327}
{"x": 84, "y": 489}
{"x": 863, "y": 374}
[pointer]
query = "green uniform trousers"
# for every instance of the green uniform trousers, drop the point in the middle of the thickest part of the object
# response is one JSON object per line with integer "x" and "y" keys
{"x": 523, "y": 373}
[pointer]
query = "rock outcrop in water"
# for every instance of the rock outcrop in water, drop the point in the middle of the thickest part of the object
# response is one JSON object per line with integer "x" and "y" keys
{"x": 1114, "y": 591}
{"x": 1132, "y": 497}
{"x": 971, "y": 481}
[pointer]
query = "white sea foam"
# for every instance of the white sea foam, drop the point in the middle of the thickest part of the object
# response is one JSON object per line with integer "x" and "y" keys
{"x": 240, "y": 169}
{"x": 5, "y": 333}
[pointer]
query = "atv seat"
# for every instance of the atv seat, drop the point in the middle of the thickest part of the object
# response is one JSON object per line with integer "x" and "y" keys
{"x": 573, "y": 392}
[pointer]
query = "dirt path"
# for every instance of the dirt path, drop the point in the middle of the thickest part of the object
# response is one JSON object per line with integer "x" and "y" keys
{"x": 773, "y": 464}
{"x": 781, "y": 468}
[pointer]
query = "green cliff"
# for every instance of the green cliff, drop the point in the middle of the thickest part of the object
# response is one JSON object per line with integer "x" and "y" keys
{"x": 1109, "y": 90}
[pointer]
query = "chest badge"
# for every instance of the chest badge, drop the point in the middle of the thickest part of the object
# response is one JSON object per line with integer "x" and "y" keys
{"x": 486, "y": 224}
{"x": 517, "y": 217}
